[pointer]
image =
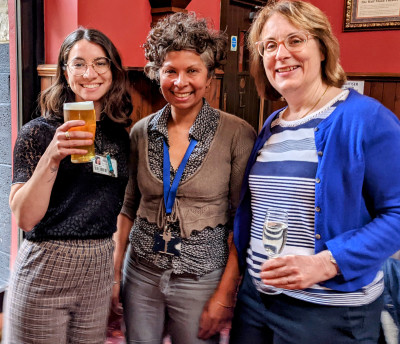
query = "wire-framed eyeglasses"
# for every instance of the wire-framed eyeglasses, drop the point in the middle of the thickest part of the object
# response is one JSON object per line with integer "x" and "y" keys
{"x": 79, "y": 67}
{"x": 294, "y": 43}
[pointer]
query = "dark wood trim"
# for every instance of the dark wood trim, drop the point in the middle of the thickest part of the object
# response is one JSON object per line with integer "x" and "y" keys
{"x": 47, "y": 70}
{"x": 144, "y": 92}
{"x": 50, "y": 70}
{"x": 385, "y": 87}
{"x": 163, "y": 10}
{"x": 31, "y": 31}
{"x": 251, "y": 3}
{"x": 160, "y": 9}
{"x": 375, "y": 76}
{"x": 169, "y": 3}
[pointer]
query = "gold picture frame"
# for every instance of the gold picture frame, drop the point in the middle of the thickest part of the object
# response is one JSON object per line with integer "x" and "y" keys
{"x": 364, "y": 15}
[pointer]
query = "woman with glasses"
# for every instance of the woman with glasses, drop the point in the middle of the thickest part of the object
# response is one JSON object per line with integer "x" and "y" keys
{"x": 188, "y": 162}
{"x": 329, "y": 161}
{"x": 61, "y": 283}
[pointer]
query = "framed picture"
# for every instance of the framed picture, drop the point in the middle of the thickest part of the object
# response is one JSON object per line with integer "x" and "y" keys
{"x": 361, "y": 15}
{"x": 251, "y": 3}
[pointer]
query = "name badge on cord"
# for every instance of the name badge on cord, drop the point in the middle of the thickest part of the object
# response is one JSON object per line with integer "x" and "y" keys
{"x": 167, "y": 243}
{"x": 105, "y": 165}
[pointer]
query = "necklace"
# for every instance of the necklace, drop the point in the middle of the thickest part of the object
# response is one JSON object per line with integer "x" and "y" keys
{"x": 315, "y": 104}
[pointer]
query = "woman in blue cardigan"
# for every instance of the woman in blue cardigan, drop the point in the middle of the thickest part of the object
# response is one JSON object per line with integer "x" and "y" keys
{"x": 330, "y": 160}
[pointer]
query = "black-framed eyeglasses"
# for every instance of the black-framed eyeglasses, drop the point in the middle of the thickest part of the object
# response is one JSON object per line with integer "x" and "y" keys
{"x": 294, "y": 43}
{"x": 79, "y": 67}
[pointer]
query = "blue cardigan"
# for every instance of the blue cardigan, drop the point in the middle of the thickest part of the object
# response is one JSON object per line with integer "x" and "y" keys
{"x": 357, "y": 198}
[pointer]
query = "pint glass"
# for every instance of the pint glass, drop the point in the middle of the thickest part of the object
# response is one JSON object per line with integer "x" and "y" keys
{"x": 83, "y": 111}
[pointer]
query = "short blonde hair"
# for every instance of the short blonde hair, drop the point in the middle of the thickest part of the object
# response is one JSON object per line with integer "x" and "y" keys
{"x": 306, "y": 17}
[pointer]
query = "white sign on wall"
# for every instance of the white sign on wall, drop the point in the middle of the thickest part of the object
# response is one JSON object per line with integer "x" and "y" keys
{"x": 233, "y": 43}
{"x": 358, "y": 85}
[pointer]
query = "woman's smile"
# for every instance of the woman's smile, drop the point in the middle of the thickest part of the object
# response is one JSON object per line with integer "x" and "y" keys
{"x": 184, "y": 80}
{"x": 289, "y": 71}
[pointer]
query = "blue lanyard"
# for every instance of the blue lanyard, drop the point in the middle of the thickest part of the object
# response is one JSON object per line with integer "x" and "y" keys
{"x": 170, "y": 191}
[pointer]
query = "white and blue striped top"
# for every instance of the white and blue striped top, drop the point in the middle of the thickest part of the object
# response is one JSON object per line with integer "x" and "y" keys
{"x": 284, "y": 177}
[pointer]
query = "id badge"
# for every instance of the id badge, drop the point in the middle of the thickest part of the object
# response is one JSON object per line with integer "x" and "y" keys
{"x": 167, "y": 243}
{"x": 105, "y": 165}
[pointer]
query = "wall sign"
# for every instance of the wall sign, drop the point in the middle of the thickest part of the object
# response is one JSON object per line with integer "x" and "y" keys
{"x": 233, "y": 43}
{"x": 355, "y": 84}
{"x": 360, "y": 15}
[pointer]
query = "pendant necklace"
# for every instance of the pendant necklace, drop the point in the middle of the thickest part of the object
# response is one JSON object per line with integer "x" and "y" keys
{"x": 315, "y": 104}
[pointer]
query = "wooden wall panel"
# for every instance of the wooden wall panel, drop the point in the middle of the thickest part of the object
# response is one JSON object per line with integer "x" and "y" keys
{"x": 367, "y": 88}
{"x": 397, "y": 100}
{"x": 389, "y": 95}
{"x": 147, "y": 98}
{"x": 383, "y": 87}
{"x": 145, "y": 94}
{"x": 377, "y": 91}
{"x": 238, "y": 91}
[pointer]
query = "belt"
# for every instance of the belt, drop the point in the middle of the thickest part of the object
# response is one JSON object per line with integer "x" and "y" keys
{"x": 148, "y": 264}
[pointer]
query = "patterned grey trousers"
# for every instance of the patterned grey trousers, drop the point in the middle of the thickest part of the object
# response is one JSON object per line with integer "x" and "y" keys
{"x": 60, "y": 292}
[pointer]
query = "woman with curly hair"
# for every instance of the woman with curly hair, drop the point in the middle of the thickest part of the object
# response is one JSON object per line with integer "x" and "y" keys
{"x": 188, "y": 161}
{"x": 61, "y": 283}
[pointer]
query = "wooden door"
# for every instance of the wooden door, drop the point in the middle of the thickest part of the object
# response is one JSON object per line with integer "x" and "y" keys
{"x": 239, "y": 95}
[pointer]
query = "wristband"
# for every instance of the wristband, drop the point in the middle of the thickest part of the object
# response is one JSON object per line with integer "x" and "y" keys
{"x": 333, "y": 261}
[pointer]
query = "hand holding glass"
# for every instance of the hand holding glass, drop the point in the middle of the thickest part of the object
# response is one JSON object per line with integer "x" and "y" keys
{"x": 83, "y": 111}
{"x": 275, "y": 229}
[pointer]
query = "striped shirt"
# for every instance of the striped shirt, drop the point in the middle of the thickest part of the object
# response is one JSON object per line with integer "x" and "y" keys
{"x": 283, "y": 176}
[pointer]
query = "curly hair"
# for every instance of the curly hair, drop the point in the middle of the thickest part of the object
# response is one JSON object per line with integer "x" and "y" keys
{"x": 117, "y": 104}
{"x": 184, "y": 31}
{"x": 304, "y": 16}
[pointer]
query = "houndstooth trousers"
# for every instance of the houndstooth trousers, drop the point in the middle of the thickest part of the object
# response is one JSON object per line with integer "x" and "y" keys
{"x": 59, "y": 292}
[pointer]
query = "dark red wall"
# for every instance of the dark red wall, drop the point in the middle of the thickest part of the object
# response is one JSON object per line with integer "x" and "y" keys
{"x": 125, "y": 22}
{"x": 363, "y": 52}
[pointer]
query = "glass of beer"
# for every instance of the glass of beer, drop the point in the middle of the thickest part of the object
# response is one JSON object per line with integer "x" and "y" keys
{"x": 83, "y": 111}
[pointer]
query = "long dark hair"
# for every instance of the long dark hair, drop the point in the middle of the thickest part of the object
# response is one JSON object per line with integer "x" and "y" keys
{"x": 117, "y": 103}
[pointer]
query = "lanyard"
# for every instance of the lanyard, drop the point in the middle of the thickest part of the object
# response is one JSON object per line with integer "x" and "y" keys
{"x": 170, "y": 191}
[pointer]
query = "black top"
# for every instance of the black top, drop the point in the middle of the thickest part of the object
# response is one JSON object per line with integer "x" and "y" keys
{"x": 83, "y": 204}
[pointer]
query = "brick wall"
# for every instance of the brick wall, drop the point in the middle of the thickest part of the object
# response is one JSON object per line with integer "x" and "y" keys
{"x": 5, "y": 147}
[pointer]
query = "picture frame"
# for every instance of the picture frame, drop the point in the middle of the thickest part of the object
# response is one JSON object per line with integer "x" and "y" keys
{"x": 365, "y": 15}
{"x": 250, "y": 3}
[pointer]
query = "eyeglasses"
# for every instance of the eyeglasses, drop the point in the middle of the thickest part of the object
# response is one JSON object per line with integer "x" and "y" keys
{"x": 294, "y": 43}
{"x": 79, "y": 67}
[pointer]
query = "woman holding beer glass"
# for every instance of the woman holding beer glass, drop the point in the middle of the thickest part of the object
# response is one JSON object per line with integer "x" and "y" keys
{"x": 329, "y": 160}
{"x": 187, "y": 166}
{"x": 61, "y": 282}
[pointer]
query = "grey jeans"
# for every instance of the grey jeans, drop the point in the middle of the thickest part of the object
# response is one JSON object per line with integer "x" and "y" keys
{"x": 156, "y": 300}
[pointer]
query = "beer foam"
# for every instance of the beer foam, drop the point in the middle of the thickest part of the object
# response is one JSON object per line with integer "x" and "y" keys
{"x": 79, "y": 106}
